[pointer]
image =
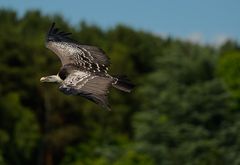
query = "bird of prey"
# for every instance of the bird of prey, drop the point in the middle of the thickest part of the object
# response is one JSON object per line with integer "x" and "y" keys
{"x": 84, "y": 69}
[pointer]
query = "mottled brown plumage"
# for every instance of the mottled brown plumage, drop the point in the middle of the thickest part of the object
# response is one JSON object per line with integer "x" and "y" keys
{"x": 84, "y": 69}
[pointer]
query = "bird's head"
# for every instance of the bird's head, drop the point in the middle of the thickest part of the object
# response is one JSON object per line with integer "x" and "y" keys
{"x": 52, "y": 78}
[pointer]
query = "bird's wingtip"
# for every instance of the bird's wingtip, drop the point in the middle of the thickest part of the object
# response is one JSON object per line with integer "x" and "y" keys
{"x": 51, "y": 28}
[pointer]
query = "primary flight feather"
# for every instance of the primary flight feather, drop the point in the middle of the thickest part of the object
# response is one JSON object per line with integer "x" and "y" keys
{"x": 84, "y": 69}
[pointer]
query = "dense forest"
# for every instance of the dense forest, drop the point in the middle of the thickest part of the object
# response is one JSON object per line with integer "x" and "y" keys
{"x": 183, "y": 111}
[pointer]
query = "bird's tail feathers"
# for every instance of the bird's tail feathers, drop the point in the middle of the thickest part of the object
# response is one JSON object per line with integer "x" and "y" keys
{"x": 122, "y": 83}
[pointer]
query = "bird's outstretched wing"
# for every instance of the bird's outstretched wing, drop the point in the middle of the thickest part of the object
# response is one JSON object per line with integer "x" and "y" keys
{"x": 92, "y": 87}
{"x": 70, "y": 52}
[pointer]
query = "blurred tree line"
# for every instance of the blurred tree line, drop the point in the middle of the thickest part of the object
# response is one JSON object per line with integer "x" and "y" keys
{"x": 184, "y": 110}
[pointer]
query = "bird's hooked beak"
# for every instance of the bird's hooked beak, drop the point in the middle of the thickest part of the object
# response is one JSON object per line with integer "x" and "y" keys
{"x": 43, "y": 79}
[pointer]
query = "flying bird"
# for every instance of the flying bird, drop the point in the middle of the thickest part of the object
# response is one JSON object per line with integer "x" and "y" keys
{"x": 84, "y": 69}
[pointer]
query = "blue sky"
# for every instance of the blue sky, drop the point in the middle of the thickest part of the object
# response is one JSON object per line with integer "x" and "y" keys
{"x": 211, "y": 21}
